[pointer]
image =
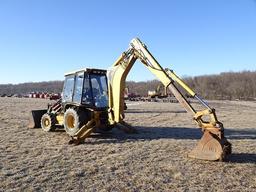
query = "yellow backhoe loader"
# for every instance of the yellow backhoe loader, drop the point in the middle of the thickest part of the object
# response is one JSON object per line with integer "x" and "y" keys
{"x": 93, "y": 99}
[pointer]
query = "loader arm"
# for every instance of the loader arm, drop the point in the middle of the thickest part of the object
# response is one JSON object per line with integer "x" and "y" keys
{"x": 213, "y": 145}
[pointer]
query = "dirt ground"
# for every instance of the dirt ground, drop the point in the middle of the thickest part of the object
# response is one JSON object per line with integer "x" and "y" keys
{"x": 154, "y": 159}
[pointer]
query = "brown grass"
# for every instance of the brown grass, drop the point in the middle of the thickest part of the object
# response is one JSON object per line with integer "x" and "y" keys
{"x": 152, "y": 160}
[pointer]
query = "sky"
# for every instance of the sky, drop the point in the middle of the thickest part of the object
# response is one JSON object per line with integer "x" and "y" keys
{"x": 40, "y": 40}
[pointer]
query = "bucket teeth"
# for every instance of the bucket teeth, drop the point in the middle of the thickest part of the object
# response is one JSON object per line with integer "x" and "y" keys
{"x": 211, "y": 148}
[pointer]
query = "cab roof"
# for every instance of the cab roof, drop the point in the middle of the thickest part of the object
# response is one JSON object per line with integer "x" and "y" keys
{"x": 87, "y": 70}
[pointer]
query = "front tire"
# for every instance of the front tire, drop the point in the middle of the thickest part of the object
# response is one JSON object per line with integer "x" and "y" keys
{"x": 48, "y": 122}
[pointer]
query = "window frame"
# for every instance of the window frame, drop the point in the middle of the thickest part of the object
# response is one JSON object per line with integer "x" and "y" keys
{"x": 75, "y": 81}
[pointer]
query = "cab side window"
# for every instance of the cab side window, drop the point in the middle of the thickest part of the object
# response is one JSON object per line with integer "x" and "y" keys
{"x": 68, "y": 88}
{"x": 78, "y": 88}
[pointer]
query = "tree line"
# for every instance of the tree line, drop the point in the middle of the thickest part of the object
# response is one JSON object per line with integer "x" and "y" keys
{"x": 25, "y": 88}
{"x": 228, "y": 85}
{"x": 231, "y": 86}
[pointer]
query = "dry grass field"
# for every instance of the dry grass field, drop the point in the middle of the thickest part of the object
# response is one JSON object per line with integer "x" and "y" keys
{"x": 154, "y": 159}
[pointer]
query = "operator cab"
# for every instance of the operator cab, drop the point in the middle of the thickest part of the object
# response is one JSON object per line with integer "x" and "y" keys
{"x": 86, "y": 87}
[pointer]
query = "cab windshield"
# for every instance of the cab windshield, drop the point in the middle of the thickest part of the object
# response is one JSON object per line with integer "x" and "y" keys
{"x": 99, "y": 90}
{"x": 96, "y": 92}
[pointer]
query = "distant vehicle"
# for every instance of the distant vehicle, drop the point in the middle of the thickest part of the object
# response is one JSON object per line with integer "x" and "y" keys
{"x": 55, "y": 96}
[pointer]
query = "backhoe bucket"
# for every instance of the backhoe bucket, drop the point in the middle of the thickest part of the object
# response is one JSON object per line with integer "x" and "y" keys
{"x": 211, "y": 147}
{"x": 35, "y": 118}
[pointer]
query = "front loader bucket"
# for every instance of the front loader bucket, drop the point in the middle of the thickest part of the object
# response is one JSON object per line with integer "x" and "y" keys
{"x": 35, "y": 118}
{"x": 211, "y": 147}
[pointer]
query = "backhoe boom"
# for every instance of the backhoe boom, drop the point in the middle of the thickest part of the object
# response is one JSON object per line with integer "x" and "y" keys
{"x": 212, "y": 146}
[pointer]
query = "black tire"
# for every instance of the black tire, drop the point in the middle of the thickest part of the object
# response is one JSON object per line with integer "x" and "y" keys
{"x": 125, "y": 106}
{"x": 48, "y": 122}
{"x": 74, "y": 120}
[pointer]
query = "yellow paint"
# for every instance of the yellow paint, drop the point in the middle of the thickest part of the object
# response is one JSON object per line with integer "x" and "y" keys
{"x": 60, "y": 119}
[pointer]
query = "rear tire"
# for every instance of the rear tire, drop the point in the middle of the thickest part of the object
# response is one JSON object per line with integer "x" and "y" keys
{"x": 48, "y": 122}
{"x": 74, "y": 120}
